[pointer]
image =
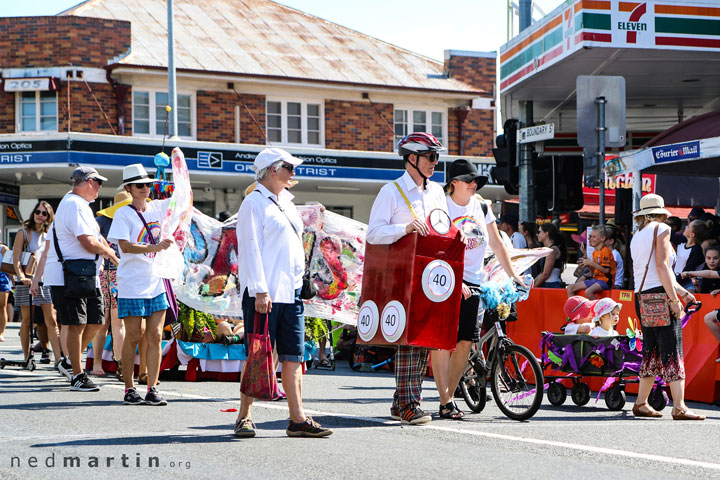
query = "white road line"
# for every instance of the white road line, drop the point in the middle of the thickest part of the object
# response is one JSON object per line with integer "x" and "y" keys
{"x": 475, "y": 433}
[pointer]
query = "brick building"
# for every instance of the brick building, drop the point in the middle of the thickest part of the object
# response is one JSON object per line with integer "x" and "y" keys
{"x": 89, "y": 86}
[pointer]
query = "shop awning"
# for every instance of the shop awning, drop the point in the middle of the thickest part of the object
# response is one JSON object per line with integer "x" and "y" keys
{"x": 689, "y": 148}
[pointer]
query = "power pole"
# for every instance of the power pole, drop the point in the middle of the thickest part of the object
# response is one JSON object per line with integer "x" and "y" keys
{"x": 172, "y": 92}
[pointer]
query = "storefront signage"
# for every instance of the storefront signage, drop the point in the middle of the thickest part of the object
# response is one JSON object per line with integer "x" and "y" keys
{"x": 9, "y": 194}
{"x": 677, "y": 152}
{"x": 205, "y": 158}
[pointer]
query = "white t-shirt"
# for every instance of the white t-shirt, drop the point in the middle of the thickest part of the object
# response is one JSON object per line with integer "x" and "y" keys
{"x": 683, "y": 253}
{"x": 640, "y": 247}
{"x": 73, "y": 218}
{"x": 518, "y": 241}
{"x": 473, "y": 222}
{"x": 572, "y": 328}
{"x": 620, "y": 268}
{"x": 134, "y": 273}
{"x": 601, "y": 332}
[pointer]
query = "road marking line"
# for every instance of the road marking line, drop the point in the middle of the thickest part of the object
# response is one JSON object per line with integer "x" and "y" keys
{"x": 511, "y": 438}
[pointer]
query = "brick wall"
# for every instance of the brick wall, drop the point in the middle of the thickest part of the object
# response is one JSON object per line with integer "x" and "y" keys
{"x": 216, "y": 117}
{"x": 358, "y": 126}
{"x": 27, "y": 42}
{"x": 478, "y": 71}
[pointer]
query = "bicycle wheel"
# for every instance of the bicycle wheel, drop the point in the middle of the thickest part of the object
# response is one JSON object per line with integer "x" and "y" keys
{"x": 517, "y": 382}
{"x": 474, "y": 390}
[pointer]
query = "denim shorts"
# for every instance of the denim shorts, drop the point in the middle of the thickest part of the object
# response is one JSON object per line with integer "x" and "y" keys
{"x": 286, "y": 328}
{"x": 141, "y": 307}
{"x": 5, "y": 285}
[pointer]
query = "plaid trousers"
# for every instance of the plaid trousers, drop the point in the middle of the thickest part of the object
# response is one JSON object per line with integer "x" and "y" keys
{"x": 410, "y": 365}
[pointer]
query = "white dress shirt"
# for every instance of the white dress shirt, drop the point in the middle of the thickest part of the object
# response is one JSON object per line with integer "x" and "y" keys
{"x": 271, "y": 258}
{"x": 390, "y": 214}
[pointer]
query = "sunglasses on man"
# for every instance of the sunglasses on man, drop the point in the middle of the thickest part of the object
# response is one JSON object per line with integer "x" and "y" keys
{"x": 432, "y": 156}
{"x": 289, "y": 167}
{"x": 97, "y": 180}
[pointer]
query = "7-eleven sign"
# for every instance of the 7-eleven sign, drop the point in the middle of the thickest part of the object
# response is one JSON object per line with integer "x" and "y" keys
{"x": 633, "y": 24}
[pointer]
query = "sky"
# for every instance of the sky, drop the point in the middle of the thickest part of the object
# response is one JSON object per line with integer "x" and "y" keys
{"x": 417, "y": 25}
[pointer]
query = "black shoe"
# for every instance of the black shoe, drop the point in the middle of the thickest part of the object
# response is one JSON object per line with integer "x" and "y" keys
{"x": 81, "y": 383}
{"x": 65, "y": 368}
{"x": 153, "y": 398}
{"x": 45, "y": 357}
{"x": 308, "y": 428}
{"x": 133, "y": 398}
{"x": 414, "y": 416}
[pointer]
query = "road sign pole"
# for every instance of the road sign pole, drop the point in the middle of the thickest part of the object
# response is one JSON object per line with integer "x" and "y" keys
{"x": 527, "y": 195}
{"x": 600, "y": 102}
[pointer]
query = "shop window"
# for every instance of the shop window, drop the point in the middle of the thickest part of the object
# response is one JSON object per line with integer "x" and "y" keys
{"x": 294, "y": 122}
{"x": 345, "y": 211}
{"x": 37, "y": 111}
{"x": 412, "y": 120}
{"x": 149, "y": 114}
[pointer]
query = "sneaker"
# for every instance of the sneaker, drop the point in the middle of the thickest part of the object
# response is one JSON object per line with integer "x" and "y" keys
{"x": 81, "y": 383}
{"x": 45, "y": 357}
{"x": 395, "y": 415}
{"x": 154, "y": 398}
{"x": 308, "y": 428}
{"x": 244, "y": 428}
{"x": 133, "y": 398}
{"x": 415, "y": 416}
{"x": 65, "y": 368}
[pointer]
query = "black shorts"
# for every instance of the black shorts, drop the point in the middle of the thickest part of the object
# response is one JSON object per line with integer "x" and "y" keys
{"x": 78, "y": 311}
{"x": 469, "y": 325}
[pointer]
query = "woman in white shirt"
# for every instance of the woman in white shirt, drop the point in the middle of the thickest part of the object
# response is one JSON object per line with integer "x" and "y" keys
{"x": 141, "y": 293}
{"x": 662, "y": 346}
{"x": 32, "y": 238}
{"x": 477, "y": 222}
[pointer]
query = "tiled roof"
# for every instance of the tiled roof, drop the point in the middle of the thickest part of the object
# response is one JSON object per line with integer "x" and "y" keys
{"x": 264, "y": 38}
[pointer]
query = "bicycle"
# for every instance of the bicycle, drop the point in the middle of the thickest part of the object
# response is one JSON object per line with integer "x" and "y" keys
{"x": 516, "y": 379}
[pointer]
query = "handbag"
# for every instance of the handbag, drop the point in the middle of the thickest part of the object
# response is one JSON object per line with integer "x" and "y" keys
{"x": 309, "y": 289}
{"x": 79, "y": 275}
{"x": 654, "y": 307}
{"x": 171, "y": 315}
{"x": 259, "y": 379}
{"x": 28, "y": 260}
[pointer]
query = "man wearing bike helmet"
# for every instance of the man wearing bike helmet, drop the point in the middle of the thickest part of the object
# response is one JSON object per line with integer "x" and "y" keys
{"x": 390, "y": 219}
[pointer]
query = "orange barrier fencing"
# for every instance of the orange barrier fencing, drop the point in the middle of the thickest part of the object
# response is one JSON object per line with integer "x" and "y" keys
{"x": 543, "y": 311}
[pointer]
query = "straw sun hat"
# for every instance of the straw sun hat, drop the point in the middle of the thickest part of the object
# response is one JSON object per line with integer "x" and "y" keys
{"x": 652, "y": 204}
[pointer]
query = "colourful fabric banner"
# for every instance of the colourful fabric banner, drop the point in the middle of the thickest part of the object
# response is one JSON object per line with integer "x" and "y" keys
{"x": 336, "y": 248}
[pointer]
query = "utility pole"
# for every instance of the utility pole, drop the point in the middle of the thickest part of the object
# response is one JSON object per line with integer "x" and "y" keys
{"x": 527, "y": 195}
{"x": 172, "y": 92}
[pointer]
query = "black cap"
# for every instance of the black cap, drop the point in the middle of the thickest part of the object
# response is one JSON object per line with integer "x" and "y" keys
{"x": 510, "y": 219}
{"x": 465, "y": 171}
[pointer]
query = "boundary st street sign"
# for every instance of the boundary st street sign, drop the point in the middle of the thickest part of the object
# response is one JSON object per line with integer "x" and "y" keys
{"x": 536, "y": 133}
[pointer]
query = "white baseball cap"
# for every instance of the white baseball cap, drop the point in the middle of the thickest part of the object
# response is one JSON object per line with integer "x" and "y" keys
{"x": 271, "y": 155}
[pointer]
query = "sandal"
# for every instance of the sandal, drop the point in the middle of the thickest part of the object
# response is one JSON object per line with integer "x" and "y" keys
{"x": 451, "y": 412}
{"x": 324, "y": 363}
{"x": 686, "y": 414}
{"x": 645, "y": 410}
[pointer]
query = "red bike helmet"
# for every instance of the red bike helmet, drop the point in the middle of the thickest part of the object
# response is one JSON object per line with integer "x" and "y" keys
{"x": 419, "y": 143}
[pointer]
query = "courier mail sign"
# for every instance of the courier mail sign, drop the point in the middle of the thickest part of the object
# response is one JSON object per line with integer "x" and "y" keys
{"x": 678, "y": 152}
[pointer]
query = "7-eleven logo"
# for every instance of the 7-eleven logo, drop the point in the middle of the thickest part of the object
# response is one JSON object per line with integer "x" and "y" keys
{"x": 633, "y": 25}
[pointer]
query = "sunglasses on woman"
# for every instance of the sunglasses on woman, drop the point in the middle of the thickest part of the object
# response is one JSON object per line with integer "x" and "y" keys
{"x": 42, "y": 213}
{"x": 143, "y": 185}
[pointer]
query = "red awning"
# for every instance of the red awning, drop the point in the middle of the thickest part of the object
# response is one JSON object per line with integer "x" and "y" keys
{"x": 695, "y": 128}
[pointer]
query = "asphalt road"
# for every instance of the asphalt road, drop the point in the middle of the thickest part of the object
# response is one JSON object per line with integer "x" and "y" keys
{"x": 43, "y": 425}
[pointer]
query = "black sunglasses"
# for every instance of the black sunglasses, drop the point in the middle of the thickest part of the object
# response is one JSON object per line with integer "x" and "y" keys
{"x": 144, "y": 185}
{"x": 433, "y": 156}
{"x": 99, "y": 182}
{"x": 42, "y": 212}
{"x": 288, "y": 167}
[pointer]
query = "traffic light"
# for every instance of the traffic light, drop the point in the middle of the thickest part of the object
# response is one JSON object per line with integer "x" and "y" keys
{"x": 558, "y": 184}
{"x": 505, "y": 171}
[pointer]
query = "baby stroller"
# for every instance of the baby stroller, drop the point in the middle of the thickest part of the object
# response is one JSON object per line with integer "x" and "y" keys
{"x": 28, "y": 363}
{"x": 615, "y": 358}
